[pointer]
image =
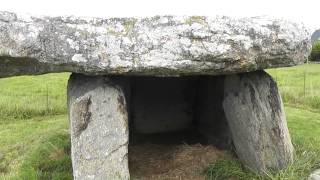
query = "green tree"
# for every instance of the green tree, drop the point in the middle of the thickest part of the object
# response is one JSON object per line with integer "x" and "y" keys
{"x": 315, "y": 53}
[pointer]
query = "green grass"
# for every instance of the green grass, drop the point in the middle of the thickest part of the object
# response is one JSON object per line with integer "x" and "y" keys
{"x": 35, "y": 144}
{"x": 299, "y": 86}
{"x": 300, "y": 90}
{"x": 34, "y": 141}
{"x": 304, "y": 129}
{"x": 30, "y": 96}
{"x": 29, "y": 145}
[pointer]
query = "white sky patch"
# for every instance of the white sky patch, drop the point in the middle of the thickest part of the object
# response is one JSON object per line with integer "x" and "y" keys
{"x": 306, "y": 11}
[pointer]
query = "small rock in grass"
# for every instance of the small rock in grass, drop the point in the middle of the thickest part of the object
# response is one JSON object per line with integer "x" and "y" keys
{"x": 315, "y": 175}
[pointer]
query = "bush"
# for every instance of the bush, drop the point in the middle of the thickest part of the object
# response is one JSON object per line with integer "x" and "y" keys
{"x": 315, "y": 53}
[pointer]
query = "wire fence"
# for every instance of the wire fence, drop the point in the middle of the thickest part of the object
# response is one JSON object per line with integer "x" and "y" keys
{"x": 300, "y": 86}
{"x": 30, "y": 96}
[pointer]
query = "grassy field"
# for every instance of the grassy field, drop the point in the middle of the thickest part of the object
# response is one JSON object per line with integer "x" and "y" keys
{"x": 299, "y": 86}
{"x": 34, "y": 141}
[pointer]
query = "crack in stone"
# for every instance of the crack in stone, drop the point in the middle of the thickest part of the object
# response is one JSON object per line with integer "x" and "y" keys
{"x": 111, "y": 152}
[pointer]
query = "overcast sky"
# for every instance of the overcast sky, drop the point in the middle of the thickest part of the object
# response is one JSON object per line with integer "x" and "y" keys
{"x": 306, "y": 11}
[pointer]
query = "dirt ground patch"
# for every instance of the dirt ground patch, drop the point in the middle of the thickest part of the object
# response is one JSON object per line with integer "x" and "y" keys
{"x": 174, "y": 162}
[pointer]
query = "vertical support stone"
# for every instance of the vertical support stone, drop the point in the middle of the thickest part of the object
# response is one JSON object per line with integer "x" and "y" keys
{"x": 255, "y": 114}
{"x": 99, "y": 127}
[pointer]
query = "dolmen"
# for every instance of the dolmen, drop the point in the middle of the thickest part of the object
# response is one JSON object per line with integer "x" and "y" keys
{"x": 162, "y": 74}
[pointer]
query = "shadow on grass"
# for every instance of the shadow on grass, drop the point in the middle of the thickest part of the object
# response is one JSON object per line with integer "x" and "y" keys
{"x": 51, "y": 160}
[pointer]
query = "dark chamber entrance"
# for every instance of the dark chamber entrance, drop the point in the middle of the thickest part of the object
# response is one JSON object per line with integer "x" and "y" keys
{"x": 177, "y": 126}
{"x": 156, "y": 116}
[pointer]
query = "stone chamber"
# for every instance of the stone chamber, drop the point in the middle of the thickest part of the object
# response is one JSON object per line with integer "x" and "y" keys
{"x": 131, "y": 124}
{"x": 146, "y": 88}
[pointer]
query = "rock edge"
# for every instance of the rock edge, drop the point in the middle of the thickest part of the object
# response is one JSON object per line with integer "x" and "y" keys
{"x": 159, "y": 45}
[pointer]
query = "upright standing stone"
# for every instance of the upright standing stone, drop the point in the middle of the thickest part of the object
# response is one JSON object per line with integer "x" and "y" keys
{"x": 99, "y": 128}
{"x": 255, "y": 114}
{"x": 161, "y": 46}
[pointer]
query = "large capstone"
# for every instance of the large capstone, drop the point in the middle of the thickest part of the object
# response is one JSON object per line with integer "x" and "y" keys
{"x": 158, "y": 46}
{"x": 137, "y": 77}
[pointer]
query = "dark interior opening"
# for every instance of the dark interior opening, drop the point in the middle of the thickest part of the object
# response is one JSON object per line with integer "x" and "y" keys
{"x": 169, "y": 116}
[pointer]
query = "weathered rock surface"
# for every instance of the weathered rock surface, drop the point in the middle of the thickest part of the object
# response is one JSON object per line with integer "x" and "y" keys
{"x": 160, "y": 45}
{"x": 255, "y": 114}
{"x": 245, "y": 109}
{"x": 99, "y": 128}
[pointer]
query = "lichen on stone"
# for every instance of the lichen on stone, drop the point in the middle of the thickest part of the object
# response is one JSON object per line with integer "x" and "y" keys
{"x": 180, "y": 45}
